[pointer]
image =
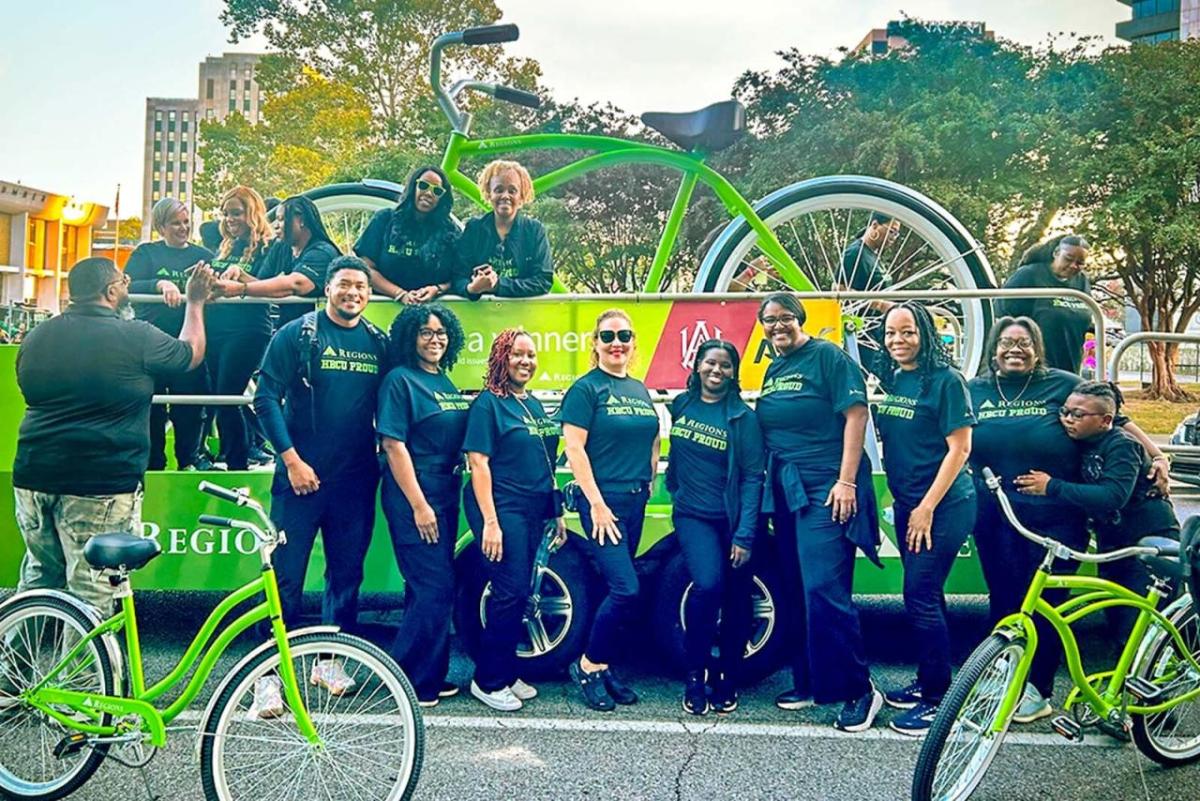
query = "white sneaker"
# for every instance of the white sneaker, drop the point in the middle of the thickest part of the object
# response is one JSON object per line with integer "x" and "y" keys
{"x": 502, "y": 700}
{"x": 1033, "y": 706}
{"x": 526, "y": 692}
{"x": 330, "y": 674}
{"x": 268, "y": 699}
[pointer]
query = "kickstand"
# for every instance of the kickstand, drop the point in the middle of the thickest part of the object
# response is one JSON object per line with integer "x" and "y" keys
{"x": 150, "y": 796}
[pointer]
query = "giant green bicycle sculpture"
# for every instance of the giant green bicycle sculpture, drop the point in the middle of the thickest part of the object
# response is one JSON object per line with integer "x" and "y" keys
{"x": 347, "y": 725}
{"x": 1150, "y": 692}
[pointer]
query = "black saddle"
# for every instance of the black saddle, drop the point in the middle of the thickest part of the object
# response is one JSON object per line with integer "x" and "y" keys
{"x": 710, "y": 129}
{"x": 113, "y": 551}
{"x": 1166, "y": 563}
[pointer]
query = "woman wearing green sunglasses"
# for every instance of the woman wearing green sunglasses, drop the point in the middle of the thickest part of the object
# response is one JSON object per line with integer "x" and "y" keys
{"x": 410, "y": 248}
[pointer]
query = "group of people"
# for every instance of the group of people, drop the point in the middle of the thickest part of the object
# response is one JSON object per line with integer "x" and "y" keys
{"x": 414, "y": 253}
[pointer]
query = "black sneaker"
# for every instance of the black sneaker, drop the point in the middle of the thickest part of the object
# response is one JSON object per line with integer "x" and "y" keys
{"x": 907, "y": 698}
{"x": 916, "y": 721}
{"x": 258, "y": 457}
{"x": 205, "y": 462}
{"x": 618, "y": 690}
{"x": 449, "y": 690}
{"x": 724, "y": 698}
{"x": 592, "y": 686}
{"x": 859, "y": 714}
{"x": 695, "y": 698}
{"x": 793, "y": 700}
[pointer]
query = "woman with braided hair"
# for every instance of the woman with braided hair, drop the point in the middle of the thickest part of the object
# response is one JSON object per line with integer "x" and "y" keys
{"x": 510, "y": 443}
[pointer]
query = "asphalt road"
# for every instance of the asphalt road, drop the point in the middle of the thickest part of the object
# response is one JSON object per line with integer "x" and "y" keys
{"x": 556, "y": 749}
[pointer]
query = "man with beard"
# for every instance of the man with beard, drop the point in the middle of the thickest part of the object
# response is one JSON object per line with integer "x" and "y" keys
{"x": 84, "y": 444}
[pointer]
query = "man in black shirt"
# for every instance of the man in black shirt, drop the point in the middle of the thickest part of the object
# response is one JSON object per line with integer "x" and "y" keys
{"x": 84, "y": 442}
{"x": 863, "y": 272}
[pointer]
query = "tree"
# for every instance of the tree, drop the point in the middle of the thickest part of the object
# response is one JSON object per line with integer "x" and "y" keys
{"x": 130, "y": 230}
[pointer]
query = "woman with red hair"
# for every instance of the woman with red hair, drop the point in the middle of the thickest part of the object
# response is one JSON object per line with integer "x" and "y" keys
{"x": 510, "y": 444}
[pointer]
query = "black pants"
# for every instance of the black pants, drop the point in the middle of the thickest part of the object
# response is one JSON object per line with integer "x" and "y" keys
{"x": 1129, "y": 573}
{"x": 816, "y": 560}
{"x": 343, "y": 510}
{"x": 1009, "y": 562}
{"x": 925, "y": 575}
{"x": 522, "y": 524}
{"x": 186, "y": 420}
{"x": 232, "y": 357}
{"x": 615, "y": 564}
{"x": 719, "y": 592}
{"x": 422, "y": 645}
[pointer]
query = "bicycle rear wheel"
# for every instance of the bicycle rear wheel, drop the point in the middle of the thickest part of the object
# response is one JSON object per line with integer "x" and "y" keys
{"x": 36, "y": 633}
{"x": 962, "y": 742}
{"x": 1171, "y": 737}
{"x": 372, "y": 738}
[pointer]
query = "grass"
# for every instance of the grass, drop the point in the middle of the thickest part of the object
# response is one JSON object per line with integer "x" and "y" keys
{"x": 1157, "y": 416}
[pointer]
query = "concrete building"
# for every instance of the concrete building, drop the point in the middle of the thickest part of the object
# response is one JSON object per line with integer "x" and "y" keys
{"x": 1160, "y": 21}
{"x": 42, "y": 234}
{"x": 226, "y": 85}
{"x": 881, "y": 41}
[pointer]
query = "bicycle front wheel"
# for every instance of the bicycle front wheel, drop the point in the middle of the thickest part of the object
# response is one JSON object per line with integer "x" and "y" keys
{"x": 1171, "y": 737}
{"x": 964, "y": 738}
{"x": 817, "y": 222}
{"x": 364, "y": 710}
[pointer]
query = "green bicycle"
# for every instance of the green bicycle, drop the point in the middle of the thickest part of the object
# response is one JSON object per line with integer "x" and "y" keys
{"x": 340, "y": 719}
{"x": 794, "y": 238}
{"x": 1149, "y": 693}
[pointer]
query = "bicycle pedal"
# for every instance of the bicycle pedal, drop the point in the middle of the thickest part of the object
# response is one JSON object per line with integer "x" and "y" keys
{"x": 1143, "y": 690}
{"x": 1067, "y": 728}
{"x": 69, "y": 745}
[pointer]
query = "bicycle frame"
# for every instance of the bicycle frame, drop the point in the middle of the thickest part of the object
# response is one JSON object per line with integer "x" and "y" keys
{"x": 1095, "y": 595}
{"x": 199, "y": 655}
{"x": 612, "y": 152}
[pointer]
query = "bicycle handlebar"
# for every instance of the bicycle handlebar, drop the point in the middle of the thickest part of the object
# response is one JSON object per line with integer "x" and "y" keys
{"x": 490, "y": 34}
{"x": 518, "y": 96}
{"x": 224, "y": 493}
{"x": 216, "y": 520}
{"x": 1049, "y": 543}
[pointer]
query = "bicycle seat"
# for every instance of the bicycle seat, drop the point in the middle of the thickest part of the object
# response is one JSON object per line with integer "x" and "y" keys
{"x": 112, "y": 551}
{"x": 710, "y": 129}
{"x": 1165, "y": 563}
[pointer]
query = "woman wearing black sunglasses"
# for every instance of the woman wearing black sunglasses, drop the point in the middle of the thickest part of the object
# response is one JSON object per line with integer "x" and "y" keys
{"x": 410, "y": 248}
{"x": 612, "y": 443}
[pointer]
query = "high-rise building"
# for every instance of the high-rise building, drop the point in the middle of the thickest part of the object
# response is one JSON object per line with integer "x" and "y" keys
{"x": 881, "y": 41}
{"x": 227, "y": 85}
{"x": 1161, "y": 21}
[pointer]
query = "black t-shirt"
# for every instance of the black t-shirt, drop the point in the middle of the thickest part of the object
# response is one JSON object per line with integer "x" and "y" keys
{"x": 1064, "y": 321}
{"x": 621, "y": 424}
{"x": 700, "y": 450}
{"x": 803, "y": 396}
{"x": 406, "y": 253}
{"x": 236, "y": 318}
{"x": 87, "y": 377}
{"x": 427, "y": 413}
{"x": 913, "y": 425}
{"x": 346, "y": 376}
{"x": 861, "y": 270}
{"x": 520, "y": 442}
{"x": 152, "y": 262}
{"x": 312, "y": 263}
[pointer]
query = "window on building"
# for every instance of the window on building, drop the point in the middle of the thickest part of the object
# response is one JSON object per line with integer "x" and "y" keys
{"x": 157, "y": 174}
{"x": 158, "y": 115}
{"x": 170, "y": 145}
{"x": 183, "y": 126}
{"x": 157, "y": 195}
{"x": 210, "y": 113}
{"x": 232, "y": 86}
{"x": 182, "y": 185}
{"x": 233, "y": 72}
{"x": 246, "y": 105}
{"x": 233, "y": 104}
{"x": 157, "y": 135}
{"x": 171, "y": 115}
{"x": 209, "y": 88}
{"x": 247, "y": 71}
{"x": 183, "y": 146}
{"x": 158, "y": 125}
{"x": 246, "y": 85}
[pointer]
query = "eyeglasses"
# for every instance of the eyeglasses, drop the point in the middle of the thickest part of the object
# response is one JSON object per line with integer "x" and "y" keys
{"x": 1077, "y": 414}
{"x": 425, "y": 186}
{"x": 783, "y": 319}
{"x": 124, "y": 279}
{"x": 1024, "y": 343}
{"x": 607, "y": 336}
{"x": 433, "y": 333}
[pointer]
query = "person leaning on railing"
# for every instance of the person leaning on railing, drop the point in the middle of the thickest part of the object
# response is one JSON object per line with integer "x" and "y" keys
{"x": 87, "y": 377}
{"x": 162, "y": 268}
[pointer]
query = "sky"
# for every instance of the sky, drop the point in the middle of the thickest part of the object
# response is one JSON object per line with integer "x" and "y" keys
{"x": 74, "y": 74}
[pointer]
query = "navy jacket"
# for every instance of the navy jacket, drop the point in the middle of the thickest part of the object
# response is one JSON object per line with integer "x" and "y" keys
{"x": 526, "y": 249}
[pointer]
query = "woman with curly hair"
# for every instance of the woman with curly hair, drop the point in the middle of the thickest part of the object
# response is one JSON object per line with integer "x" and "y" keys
{"x": 510, "y": 445}
{"x": 925, "y": 427}
{"x": 504, "y": 252}
{"x": 421, "y": 421}
{"x": 410, "y": 248}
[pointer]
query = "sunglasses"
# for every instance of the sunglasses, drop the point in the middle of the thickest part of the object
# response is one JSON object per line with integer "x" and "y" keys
{"x": 425, "y": 186}
{"x": 608, "y": 336}
{"x": 1077, "y": 414}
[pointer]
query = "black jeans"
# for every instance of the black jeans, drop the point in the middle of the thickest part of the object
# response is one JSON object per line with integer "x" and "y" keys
{"x": 1009, "y": 562}
{"x": 719, "y": 593}
{"x": 186, "y": 420}
{"x": 422, "y": 645}
{"x": 615, "y": 564}
{"x": 232, "y": 358}
{"x": 522, "y": 524}
{"x": 1129, "y": 573}
{"x": 925, "y": 576}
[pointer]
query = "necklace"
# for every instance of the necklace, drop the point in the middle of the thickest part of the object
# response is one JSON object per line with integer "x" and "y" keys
{"x": 1000, "y": 391}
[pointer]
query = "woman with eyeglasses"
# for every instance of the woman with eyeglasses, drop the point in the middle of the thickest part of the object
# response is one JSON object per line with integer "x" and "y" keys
{"x": 1016, "y": 405}
{"x": 715, "y": 477}
{"x": 612, "y": 443}
{"x": 813, "y": 413}
{"x": 410, "y": 248}
{"x": 505, "y": 252}
{"x": 925, "y": 429}
{"x": 421, "y": 421}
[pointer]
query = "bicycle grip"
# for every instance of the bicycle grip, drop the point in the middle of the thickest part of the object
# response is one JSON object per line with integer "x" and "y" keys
{"x": 490, "y": 34}
{"x": 990, "y": 477}
{"x": 214, "y": 520}
{"x": 221, "y": 492}
{"x": 518, "y": 96}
